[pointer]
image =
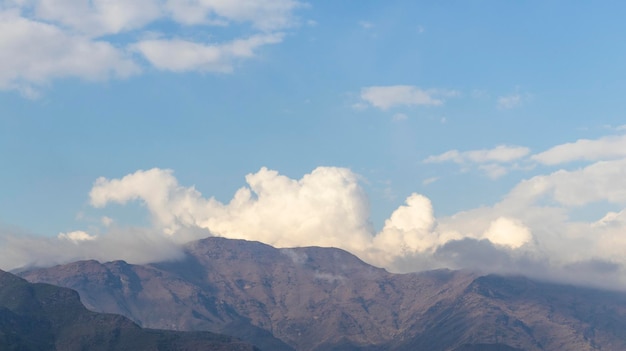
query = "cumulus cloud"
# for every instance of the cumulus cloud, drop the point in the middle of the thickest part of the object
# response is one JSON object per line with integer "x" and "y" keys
{"x": 42, "y": 40}
{"x": 609, "y": 147}
{"x": 489, "y": 161}
{"x": 385, "y": 97}
{"x": 508, "y": 232}
{"x": 325, "y": 208}
{"x": 528, "y": 232}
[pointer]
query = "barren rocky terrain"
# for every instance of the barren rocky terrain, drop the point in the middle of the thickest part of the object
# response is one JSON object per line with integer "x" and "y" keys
{"x": 327, "y": 299}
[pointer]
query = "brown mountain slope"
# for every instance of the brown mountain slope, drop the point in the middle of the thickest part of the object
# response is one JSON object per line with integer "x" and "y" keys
{"x": 327, "y": 299}
{"x": 44, "y": 317}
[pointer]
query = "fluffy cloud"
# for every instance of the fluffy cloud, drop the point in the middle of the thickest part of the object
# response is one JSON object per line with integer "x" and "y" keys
{"x": 385, "y": 97}
{"x": 33, "y": 52}
{"x": 600, "y": 181}
{"x": 41, "y": 40}
{"x": 609, "y": 147}
{"x": 529, "y": 232}
{"x": 98, "y": 17}
{"x": 325, "y": 208}
{"x": 507, "y": 232}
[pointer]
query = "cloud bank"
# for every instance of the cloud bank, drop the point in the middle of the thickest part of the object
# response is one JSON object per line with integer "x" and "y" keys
{"x": 42, "y": 40}
{"x": 530, "y": 231}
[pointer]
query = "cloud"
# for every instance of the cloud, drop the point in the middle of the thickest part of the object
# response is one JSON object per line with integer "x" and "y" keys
{"x": 43, "y": 40}
{"x": 76, "y": 236}
{"x": 490, "y": 161}
{"x": 510, "y": 101}
{"x": 609, "y": 147}
{"x": 501, "y": 153}
{"x": 601, "y": 181}
{"x": 136, "y": 245}
{"x": 385, "y": 97}
{"x": 266, "y": 15}
{"x": 181, "y": 55}
{"x": 98, "y": 17}
{"x": 508, "y": 232}
{"x": 325, "y": 208}
{"x": 528, "y": 232}
{"x": 33, "y": 53}
{"x": 400, "y": 117}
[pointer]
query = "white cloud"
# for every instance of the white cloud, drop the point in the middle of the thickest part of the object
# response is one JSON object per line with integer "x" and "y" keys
{"x": 609, "y": 147}
{"x": 510, "y": 101}
{"x": 429, "y": 180}
{"x": 489, "y": 161}
{"x": 266, "y": 15}
{"x": 99, "y": 17}
{"x": 501, "y": 153}
{"x": 182, "y": 55}
{"x": 326, "y": 207}
{"x": 76, "y": 236}
{"x": 508, "y": 232}
{"x": 385, "y": 97}
{"x": 601, "y": 181}
{"x": 34, "y": 53}
{"x": 42, "y": 40}
{"x": 106, "y": 221}
{"x": 529, "y": 232}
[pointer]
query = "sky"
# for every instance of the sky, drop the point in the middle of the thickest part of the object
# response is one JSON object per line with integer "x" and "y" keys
{"x": 476, "y": 134}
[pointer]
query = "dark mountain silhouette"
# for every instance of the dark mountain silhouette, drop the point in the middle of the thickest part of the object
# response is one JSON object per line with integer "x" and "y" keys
{"x": 44, "y": 317}
{"x": 327, "y": 299}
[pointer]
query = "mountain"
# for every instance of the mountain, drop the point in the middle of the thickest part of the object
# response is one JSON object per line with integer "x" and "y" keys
{"x": 44, "y": 317}
{"x": 327, "y": 299}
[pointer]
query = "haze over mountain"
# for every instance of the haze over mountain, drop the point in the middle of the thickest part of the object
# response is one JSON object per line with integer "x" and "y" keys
{"x": 327, "y": 299}
{"x": 42, "y": 317}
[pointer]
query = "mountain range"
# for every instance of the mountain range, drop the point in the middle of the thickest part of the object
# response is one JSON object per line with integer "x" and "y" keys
{"x": 43, "y": 317}
{"x": 316, "y": 298}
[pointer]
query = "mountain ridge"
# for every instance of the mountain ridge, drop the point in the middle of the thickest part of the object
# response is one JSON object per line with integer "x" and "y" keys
{"x": 327, "y": 299}
{"x": 42, "y": 317}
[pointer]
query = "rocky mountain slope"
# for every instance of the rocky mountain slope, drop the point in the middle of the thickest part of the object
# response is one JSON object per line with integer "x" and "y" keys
{"x": 43, "y": 317}
{"x": 327, "y": 299}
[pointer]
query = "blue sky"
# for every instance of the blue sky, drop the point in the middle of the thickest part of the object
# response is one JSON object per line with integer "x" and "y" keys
{"x": 407, "y": 126}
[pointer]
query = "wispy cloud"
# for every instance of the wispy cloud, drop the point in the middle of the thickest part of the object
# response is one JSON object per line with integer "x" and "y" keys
{"x": 43, "y": 40}
{"x": 609, "y": 147}
{"x": 494, "y": 162}
{"x": 385, "y": 97}
{"x": 182, "y": 55}
{"x": 510, "y": 101}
